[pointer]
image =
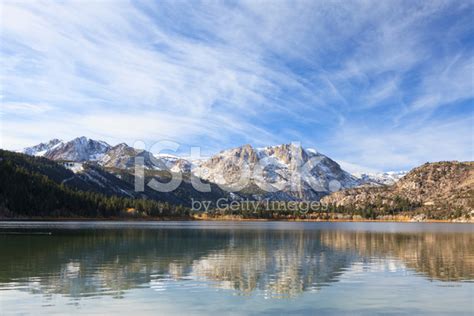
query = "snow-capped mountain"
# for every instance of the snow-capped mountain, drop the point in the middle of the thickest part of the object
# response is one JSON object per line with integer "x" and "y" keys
{"x": 300, "y": 173}
{"x": 282, "y": 172}
{"x": 123, "y": 156}
{"x": 381, "y": 178}
{"x": 79, "y": 149}
{"x": 42, "y": 148}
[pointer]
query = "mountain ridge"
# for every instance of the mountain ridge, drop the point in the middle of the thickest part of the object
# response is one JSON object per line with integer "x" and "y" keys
{"x": 286, "y": 171}
{"x": 50, "y": 150}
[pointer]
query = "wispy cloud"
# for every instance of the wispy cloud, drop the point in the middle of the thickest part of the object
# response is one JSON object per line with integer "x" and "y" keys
{"x": 24, "y": 108}
{"x": 219, "y": 74}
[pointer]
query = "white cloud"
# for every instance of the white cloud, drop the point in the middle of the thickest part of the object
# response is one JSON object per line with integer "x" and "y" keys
{"x": 24, "y": 108}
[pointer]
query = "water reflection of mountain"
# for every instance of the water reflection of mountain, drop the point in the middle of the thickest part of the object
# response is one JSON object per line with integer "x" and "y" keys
{"x": 279, "y": 263}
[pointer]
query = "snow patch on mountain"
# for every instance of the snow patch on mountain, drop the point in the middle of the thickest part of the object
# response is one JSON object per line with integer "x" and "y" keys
{"x": 42, "y": 148}
{"x": 380, "y": 178}
{"x": 75, "y": 167}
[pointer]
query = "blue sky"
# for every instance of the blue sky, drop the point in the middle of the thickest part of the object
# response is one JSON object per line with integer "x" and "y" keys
{"x": 376, "y": 85}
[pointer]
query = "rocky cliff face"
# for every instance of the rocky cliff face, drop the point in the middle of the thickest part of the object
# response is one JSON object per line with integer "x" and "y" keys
{"x": 441, "y": 187}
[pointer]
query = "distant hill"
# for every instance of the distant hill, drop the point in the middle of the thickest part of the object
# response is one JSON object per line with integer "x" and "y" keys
{"x": 440, "y": 190}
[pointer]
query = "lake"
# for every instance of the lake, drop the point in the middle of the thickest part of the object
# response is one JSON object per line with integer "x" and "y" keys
{"x": 235, "y": 268}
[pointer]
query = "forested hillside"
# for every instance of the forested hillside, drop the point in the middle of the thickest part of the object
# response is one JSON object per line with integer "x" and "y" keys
{"x": 35, "y": 187}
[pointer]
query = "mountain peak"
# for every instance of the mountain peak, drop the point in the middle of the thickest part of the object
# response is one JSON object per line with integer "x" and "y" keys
{"x": 42, "y": 148}
{"x": 78, "y": 149}
{"x": 121, "y": 146}
{"x": 281, "y": 164}
{"x": 81, "y": 138}
{"x": 54, "y": 141}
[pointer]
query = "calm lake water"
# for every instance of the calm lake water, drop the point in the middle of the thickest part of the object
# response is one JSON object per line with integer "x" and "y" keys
{"x": 235, "y": 268}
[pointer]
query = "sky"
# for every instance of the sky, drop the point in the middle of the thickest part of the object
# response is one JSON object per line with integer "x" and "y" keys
{"x": 375, "y": 85}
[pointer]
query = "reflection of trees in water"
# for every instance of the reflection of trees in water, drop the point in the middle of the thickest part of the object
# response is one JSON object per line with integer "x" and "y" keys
{"x": 109, "y": 262}
{"x": 441, "y": 256}
{"x": 100, "y": 262}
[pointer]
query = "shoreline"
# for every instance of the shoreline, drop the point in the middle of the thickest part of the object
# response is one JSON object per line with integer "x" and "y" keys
{"x": 158, "y": 219}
